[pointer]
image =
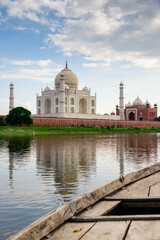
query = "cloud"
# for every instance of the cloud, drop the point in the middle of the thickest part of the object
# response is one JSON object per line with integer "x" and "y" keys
{"x": 41, "y": 63}
{"x": 112, "y": 31}
{"x": 108, "y": 31}
{"x": 90, "y": 64}
{"x": 39, "y": 70}
{"x": 20, "y": 28}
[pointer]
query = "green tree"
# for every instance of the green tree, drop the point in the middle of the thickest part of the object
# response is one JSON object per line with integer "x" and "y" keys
{"x": 19, "y": 116}
{"x": 2, "y": 123}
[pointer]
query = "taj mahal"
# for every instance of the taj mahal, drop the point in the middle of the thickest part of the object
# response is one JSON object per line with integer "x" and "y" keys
{"x": 67, "y": 101}
{"x": 66, "y": 98}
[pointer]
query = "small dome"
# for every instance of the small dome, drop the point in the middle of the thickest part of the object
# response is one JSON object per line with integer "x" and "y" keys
{"x": 85, "y": 89}
{"x": 147, "y": 103}
{"x": 128, "y": 104}
{"x": 66, "y": 87}
{"x": 47, "y": 89}
{"x": 11, "y": 84}
{"x": 137, "y": 102}
{"x": 70, "y": 78}
{"x": 112, "y": 113}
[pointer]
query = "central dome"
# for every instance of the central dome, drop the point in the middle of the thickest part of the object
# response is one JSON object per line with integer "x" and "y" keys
{"x": 70, "y": 78}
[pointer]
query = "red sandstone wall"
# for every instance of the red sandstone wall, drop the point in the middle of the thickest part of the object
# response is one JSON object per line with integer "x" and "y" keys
{"x": 40, "y": 121}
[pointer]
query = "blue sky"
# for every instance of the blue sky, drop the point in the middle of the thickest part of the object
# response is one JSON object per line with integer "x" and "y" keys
{"x": 105, "y": 42}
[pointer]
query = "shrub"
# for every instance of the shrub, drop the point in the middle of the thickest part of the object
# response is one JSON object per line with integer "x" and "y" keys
{"x": 19, "y": 116}
{"x": 2, "y": 123}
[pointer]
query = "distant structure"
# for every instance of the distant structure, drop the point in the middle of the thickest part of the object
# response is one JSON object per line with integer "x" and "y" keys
{"x": 137, "y": 111}
{"x": 66, "y": 99}
{"x": 140, "y": 111}
{"x": 121, "y": 102}
{"x": 11, "y": 98}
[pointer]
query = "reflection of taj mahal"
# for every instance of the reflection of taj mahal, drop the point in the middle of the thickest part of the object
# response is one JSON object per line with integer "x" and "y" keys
{"x": 66, "y": 98}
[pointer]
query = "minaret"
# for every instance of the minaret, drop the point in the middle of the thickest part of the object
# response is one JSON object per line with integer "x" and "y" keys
{"x": 121, "y": 102}
{"x": 11, "y": 98}
{"x": 62, "y": 93}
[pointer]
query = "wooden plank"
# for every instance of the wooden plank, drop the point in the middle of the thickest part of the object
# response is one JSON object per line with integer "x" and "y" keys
{"x": 99, "y": 193}
{"x": 155, "y": 190}
{"x": 43, "y": 226}
{"x": 100, "y": 208}
{"x": 135, "y": 189}
{"x": 144, "y": 230}
{"x": 134, "y": 199}
{"x": 70, "y": 231}
{"x": 107, "y": 231}
{"x": 115, "y": 218}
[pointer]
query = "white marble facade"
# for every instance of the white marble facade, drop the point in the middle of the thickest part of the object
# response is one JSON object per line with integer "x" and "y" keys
{"x": 66, "y": 99}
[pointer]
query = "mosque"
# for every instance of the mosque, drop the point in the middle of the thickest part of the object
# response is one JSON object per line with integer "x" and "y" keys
{"x": 139, "y": 110}
{"x": 67, "y": 101}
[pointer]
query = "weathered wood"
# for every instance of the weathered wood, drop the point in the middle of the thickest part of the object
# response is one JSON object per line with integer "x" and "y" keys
{"x": 134, "y": 199}
{"x": 70, "y": 231}
{"x": 155, "y": 190}
{"x": 144, "y": 230}
{"x": 107, "y": 231}
{"x": 100, "y": 208}
{"x": 139, "y": 188}
{"x": 43, "y": 226}
{"x": 115, "y": 218}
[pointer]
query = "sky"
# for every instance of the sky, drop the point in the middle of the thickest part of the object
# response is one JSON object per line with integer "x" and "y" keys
{"x": 104, "y": 42}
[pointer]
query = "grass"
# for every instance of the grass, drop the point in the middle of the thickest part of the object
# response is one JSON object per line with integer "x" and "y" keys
{"x": 44, "y": 130}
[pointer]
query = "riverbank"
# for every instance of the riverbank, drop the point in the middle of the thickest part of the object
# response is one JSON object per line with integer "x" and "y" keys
{"x": 44, "y": 130}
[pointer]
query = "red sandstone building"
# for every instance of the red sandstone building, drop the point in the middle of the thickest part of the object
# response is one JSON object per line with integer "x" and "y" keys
{"x": 139, "y": 111}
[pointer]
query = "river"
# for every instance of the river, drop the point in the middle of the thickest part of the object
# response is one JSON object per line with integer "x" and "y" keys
{"x": 39, "y": 173}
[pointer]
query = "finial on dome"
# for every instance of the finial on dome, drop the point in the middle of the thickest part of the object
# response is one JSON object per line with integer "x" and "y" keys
{"x": 66, "y": 65}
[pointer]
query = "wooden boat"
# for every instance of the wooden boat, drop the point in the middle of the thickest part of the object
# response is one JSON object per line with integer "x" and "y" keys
{"x": 126, "y": 208}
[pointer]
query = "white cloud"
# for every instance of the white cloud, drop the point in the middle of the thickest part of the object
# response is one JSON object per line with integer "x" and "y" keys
{"x": 112, "y": 31}
{"x": 105, "y": 30}
{"x": 90, "y": 64}
{"x": 20, "y": 28}
{"x": 39, "y": 70}
{"x": 69, "y": 54}
{"x": 42, "y": 48}
{"x": 41, "y": 63}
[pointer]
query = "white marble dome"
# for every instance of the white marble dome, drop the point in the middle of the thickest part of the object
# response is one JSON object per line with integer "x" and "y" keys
{"x": 47, "y": 89}
{"x": 85, "y": 89}
{"x": 70, "y": 79}
{"x": 66, "y": 87}
{"x": 128, "y": 104}
{"x": 137, "y": 102}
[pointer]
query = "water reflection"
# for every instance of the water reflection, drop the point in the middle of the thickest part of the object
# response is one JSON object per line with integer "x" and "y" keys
{"x": 136, "y": 149}
{"x": 18, "y": 148}
{"x": 66, "y": 159}
{"x": 39, "y": 173}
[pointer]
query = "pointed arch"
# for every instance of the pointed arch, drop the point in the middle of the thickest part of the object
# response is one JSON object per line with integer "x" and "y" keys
{"x": 48, "y": 105}
{"x": 83, "y": 105}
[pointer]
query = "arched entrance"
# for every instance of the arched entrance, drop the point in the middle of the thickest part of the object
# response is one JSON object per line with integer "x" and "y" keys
{"x": 141, "y": 118}
{"x": 83, "y": 105}
{"x": 48, "y": 106}
{"x": 131, "y": 116}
